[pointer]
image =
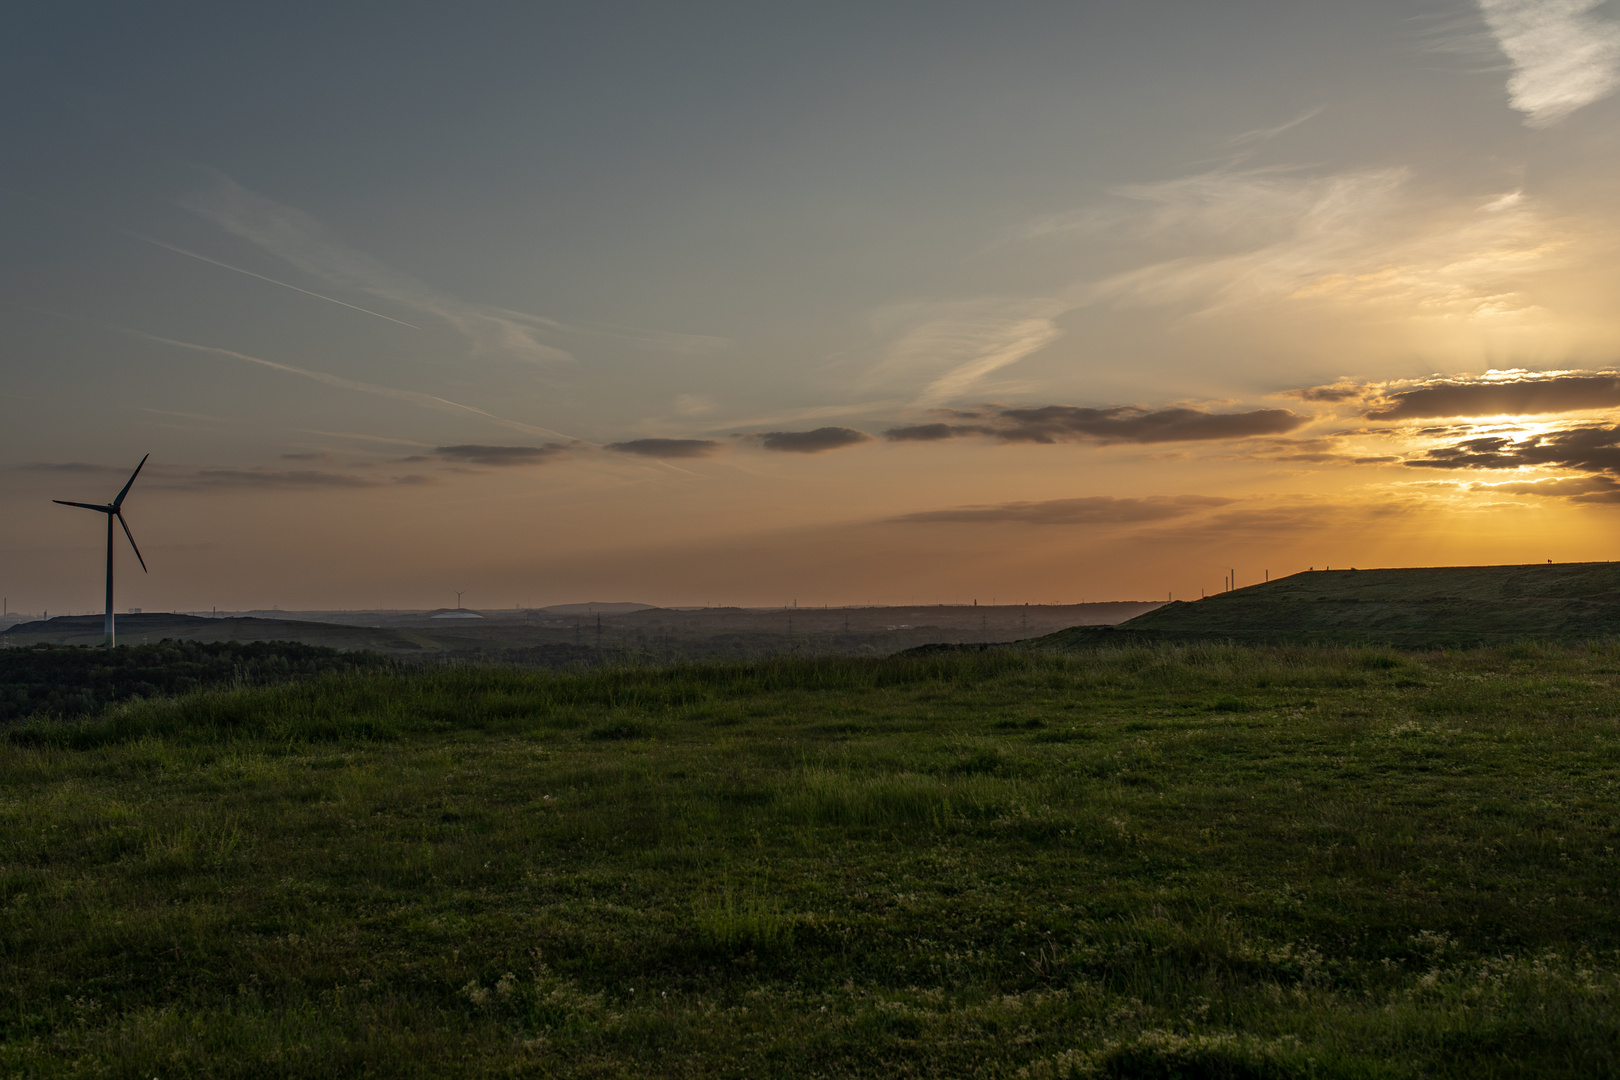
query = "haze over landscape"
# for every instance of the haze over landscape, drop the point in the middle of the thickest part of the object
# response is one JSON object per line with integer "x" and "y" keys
{"x": 848, "y": 304}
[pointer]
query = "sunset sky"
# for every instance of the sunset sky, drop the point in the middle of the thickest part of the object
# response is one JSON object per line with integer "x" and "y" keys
{"x": 844, "y": 303}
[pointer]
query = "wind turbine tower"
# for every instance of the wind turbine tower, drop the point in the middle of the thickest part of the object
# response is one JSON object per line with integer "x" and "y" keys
{"x": 114, "y": 509}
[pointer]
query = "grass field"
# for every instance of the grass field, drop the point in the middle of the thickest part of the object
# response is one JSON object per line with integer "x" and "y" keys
{"x": 1152, "y": 862}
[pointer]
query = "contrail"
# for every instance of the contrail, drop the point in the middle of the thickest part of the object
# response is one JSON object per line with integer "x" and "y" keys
{"x": 261, "y": 277}
{"x": 69, "y": 211}
{"x": 430, "y": 401}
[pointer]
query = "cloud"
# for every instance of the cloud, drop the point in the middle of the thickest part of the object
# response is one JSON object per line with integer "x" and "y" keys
{"x": 1119, "y": 424}
{"x": 262, "y": 277}
{"x": 1344, "y": 390}
{"x": 812, "y": 442}
{"x": 1268, "y": 133}
{"x": 1514, "y": 392}
{"x": 951, "y": 346}
{"x": 1092, "y": 510}
{"x": 659, "y": 340}
{"x": 302, "y": 241}
{"x": 667, "y": 448}
{"x": 1350, "y": 238}
{"x": 1583, "y": 487}
{"x": 1230, "y": 241}
{"x": 430, "y": 401}
{"x": 1591, "y": 449}
{"x": 476, "y": 454}
{"x": 924, "y": 433}
{"x": 1514, "y": 397}
{"x": 1562, "y": 57}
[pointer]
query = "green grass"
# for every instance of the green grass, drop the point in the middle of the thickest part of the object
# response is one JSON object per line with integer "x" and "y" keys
{"x": 1413, "y": 607}
{"x": 1152, "y": 862}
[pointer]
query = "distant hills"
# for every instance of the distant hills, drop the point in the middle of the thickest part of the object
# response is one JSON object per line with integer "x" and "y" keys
{"x": 1416, "y": 607}
{"x": 600, "y": 633}
{"x": 137, "y": 629}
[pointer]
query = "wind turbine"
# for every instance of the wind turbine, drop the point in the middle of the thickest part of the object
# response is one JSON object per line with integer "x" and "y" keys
{"x": 113, "y": 509}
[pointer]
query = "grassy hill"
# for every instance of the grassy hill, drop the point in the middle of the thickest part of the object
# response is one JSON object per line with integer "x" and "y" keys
{"x": 1416, "y": 607}
{"x": 1165, "y": 861}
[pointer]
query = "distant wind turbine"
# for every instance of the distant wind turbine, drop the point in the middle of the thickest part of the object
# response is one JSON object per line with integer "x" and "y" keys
{"x": 113, "y": 509}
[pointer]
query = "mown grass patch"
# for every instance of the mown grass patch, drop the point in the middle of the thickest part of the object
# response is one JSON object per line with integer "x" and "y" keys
{"x": 977, "y": 864}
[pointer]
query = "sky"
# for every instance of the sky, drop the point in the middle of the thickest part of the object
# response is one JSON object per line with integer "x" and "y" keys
{"x": 714, "y": 303}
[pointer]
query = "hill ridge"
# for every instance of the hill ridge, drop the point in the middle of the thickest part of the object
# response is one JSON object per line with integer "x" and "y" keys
{"x": 1411, "y": 606}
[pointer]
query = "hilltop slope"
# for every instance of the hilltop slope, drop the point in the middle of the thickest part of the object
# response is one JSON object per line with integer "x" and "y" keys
{"x": 1417, "y": 606}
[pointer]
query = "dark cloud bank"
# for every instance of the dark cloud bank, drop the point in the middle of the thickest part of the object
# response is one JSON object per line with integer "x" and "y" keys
{"x": 812, "y": 442}
{"x": 1120, "y": 424}
{"x": 1529, "y": 396}
{"x": 1594, "y": 450}
{"x": 667, "y": 448}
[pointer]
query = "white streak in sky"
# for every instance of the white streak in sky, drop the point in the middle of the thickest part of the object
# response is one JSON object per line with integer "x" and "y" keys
{"x": 1562, "y": 57}
{"x": 952, "y": 346}
{"x": 299, "y": 239}
{"x": 261, "y": 277}
{"x": 1266, "y": 134}
{"x": 662, "y": 340}
{"x": 70, "y": 212}
{"x": 430, "y": 401}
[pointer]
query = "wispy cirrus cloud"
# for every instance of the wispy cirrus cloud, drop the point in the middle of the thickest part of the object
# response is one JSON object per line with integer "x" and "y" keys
{"x": 1563, "y": 57}
{"x": 262, "y": 277}
{"x": 1118, "y": 424}
{"x": 1352, "y": 238}
{"x": 1266, "y": 134}
{"x": 949, "y": 347}
{"x": 1232, "y": 240}
{"x": 301, "y": 240}
{"x": 414, "y": 397}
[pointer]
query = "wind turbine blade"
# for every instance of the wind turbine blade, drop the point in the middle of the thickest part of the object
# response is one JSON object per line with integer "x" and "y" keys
{"x": 87, "y": 506}
{"x": 120, "y": 500}
{"x": 127, "y": 533}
